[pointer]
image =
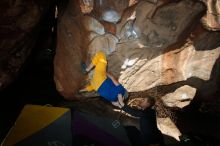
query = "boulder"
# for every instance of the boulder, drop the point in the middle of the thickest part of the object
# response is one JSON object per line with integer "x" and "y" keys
{"x": 93, "y": 25}
{"x": 148, "y": 48}
{"x": 166, "y": 26}
{"x": 106, "y": 43}
{"x": 109, "y": 10}
{"x": 72, "y": 42}
{"x": 180, "y": 98}
{"x": 168, "y": 127}
{"x": 145, "y": 54}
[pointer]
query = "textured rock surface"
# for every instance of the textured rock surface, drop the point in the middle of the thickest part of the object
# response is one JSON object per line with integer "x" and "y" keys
{"x": 21, "y": 24}
{"x": 212, "y": 18}
{"x": 106, "y": 43}
{"x": 181, "y": 97}
{"x": 146, "y": 53}
{"x": 149, "y": 46}
{"x": 109, "y": 10}
{"x": 148, "y": 49}
{"x": 72, "y": 39}
{"x": 152, "y": 46}
{"x": 167, "y": 127}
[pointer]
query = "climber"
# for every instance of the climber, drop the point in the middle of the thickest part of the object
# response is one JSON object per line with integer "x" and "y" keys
{"x": 149, "y": 133}
{"x": 102, "y": 82}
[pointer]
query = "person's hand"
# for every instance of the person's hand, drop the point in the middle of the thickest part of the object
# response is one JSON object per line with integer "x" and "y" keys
{"x": 121, "y": 100}
{"x": 116, "y": 104}
{"x": 82, "y": 90}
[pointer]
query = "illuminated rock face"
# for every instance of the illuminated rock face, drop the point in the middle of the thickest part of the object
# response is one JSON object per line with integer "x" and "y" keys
{"x": 21, "y": 24}
{"x": 146, "y": 58}
{"x": 180, "y": 98}
{"x": 148, "y": 44}
{"x": 109, "y": 10}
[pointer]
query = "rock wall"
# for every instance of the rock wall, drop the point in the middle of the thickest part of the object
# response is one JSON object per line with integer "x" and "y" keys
{"x": 21, "y": 24}
{"x": 212, "y": 18}
{"x": 172, "y": 46}
{"x": 157, "y": 46}
{"x": 72, "y": 39}
{"x": 148, "y": 44}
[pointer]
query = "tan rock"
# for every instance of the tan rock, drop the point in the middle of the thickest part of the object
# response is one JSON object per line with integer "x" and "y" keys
{"x": 164, "y": 27}
{"x": 141, "y": 68}
{"x": 145, "y": 74}
{"x": 109, "y": 10}
{"x": 180, "y": 98}
{"x": 211, "y": 20}
{"x": 128, "y": 14}
{"x": 86, "y": 6}
{"x": 167, "y": 127}
{"x": 194, "y": 59}
{"x": 93, "y": 25}
{"x": 105, "y": 43}
{"x": 201, "y": 63}
{"x": 144, "y": 59}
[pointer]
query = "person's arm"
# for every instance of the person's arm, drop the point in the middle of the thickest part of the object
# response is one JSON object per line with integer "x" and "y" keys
{"x": 113, "y": 79}
{"x": 133, "y": 112}
{"x": 129, "y": 110}
{"x": 89, "y": 67}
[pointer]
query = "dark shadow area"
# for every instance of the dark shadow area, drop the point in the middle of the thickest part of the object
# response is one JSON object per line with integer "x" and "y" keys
{"x": 207, "y": 41}
{"x": 34, "y": 84}
{"x": 202, "y": 127}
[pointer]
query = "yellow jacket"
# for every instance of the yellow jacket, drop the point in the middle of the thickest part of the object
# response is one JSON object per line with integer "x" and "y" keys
{"x": 99, "y": 76}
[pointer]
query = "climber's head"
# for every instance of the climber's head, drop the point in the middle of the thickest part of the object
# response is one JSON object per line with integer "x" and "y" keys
{"x": 147, "y": 102}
